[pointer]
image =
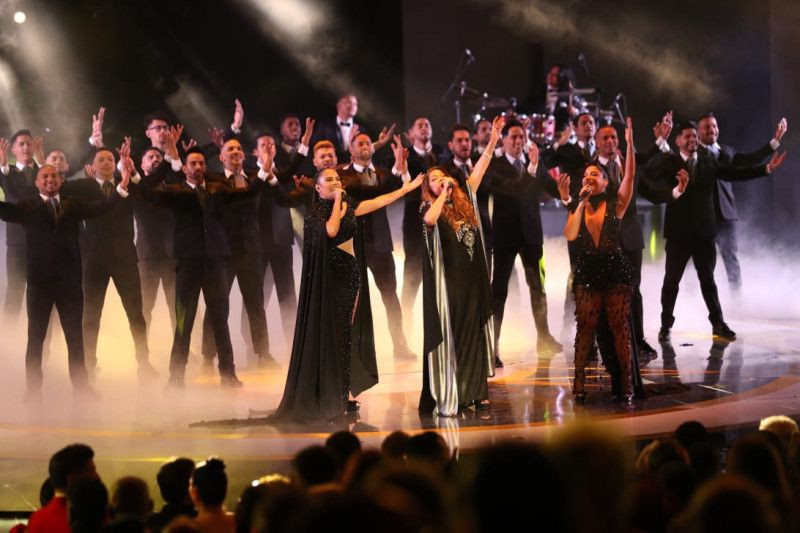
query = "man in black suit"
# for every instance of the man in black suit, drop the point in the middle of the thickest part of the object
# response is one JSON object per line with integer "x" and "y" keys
{"x": 53, "y": 268}
{"x": 244, "y": 263}
{"x": 201, "y": 249}
{"x": 363, "y": 180}
{"x": 108, "y": 253}
{"x": 686, "y": 183}
{"x": 19, "y": 178}
{"x": 517, "y": 230}
{"x": 154, "y": 230}
{"x": 422, "y": 155}
{"x": 724, "y": 199}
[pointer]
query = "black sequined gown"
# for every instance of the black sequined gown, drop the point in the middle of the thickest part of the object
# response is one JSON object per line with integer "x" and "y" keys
{"x": 602, "y": 284}
{"x": 323, "y": 355}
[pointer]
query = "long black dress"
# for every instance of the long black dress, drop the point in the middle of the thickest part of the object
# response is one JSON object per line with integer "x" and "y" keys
{"x": 458, "y": 319}
{"x": 333, "y": 351}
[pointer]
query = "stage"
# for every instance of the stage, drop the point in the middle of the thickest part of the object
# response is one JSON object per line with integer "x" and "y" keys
{"x": 136, "y": 426}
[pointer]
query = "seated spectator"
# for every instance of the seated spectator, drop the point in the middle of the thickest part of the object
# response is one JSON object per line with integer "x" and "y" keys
{"x": 314, "y": 466}
{"x": 66, "y": 465}
{"x": 394, "y": 445}
{"x": 255, "y": 494}
{"x": 359, "y": 468}
{"x": 208, "y": 488}
{"x": 131, "y": 505}
{"x": 430, "y": 447}
{"x": 173, "y": 483}
{"x": 704, "y": 456}
{"x": 87, "y": 500}
{"x": 343, "y": 445}
{"x": 784, "y": 427}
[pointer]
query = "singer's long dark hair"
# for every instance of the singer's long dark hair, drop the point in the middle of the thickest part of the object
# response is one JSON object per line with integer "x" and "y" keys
{"x": 460, "y": 210}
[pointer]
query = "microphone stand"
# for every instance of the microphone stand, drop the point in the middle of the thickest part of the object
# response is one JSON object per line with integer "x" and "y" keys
{"x": 457, "y": 84}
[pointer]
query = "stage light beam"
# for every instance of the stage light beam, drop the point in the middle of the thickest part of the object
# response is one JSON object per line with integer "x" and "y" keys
{"x": 20, "y": 17}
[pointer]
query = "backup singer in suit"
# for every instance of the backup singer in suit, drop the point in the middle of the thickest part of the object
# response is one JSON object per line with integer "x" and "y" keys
{"x": 363, "y": 180}
{"x": 517, "y": 227}
{"x": 244, "y": 263}
{"x": 421, "y": 156}
{"x": 724, "y": 199}
{"x": 686, "y": 182}
{"x": 340, "y": 130}
{"x": 53, "y": 267}
{"x": 154, "y": 230}
{"x": 201, "y": 250}
{"x": 109, "y": 254}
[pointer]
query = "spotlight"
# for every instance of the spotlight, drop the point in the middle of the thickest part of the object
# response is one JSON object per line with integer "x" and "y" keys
{"x": 20, "y": 17}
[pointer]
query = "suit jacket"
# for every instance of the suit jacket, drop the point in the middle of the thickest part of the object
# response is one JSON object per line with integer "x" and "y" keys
{"x": 199, "y": 231}
{"x": 155, "y": 225}
{"x": 52, "y": 252}
{"x": 692, "y": 215}
{"x": 377, "y": 235}
{"x": 109, "y": 237}
{"x": 18, "y": 187}
{"x": 240, "y": 215}
{"x": 516, "y": 219}
{"x": 274, "y": 217}
{"x": 724, "y": 199}
{"x": 330, "y": 131}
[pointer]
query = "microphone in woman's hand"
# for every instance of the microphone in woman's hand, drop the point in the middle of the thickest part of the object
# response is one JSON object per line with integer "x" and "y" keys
{"x": 585, "y": 193}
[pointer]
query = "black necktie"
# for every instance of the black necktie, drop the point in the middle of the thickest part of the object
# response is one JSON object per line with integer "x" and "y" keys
{"x": 690, "y": 168}
{"x": 464, "y": 170}
{"x": 613, "y": 172}
{"x": 202, "y": 196}
{"x": 30, "y": 175}
{"x": 520, "y": 166}
{"x": 54, "y": 207}
{"x": 107, "y": 188}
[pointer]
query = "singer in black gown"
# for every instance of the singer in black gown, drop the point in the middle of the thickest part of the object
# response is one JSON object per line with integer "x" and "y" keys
{"x": 333, "y": 351}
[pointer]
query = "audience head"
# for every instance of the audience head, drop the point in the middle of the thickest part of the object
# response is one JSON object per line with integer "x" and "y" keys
{"x": 173, "y": 480}
{"x": 784, "y": 427}
{"x": 324, "y": 155}
{"x": 131, "y": 497}
{"x": 560, "y": 77}
{"x": 290, "y": 129}
{"x": 755, "y": 457}
{"x": 209, "y": 483}
{"x": 429, "y": 447}
{"x": 731, "y": 503}
{"x": 659, "y": 453}
{"x": 412, "y": 493}
{"x": 707, "y": 128}
{"x": 22, "y": 146}
{"x": 258, "y": 491}
{"x": 343, "y": 445}
{"x": 394, "y": 445}
{"x": 70, "y": 463}
{"x": 275, "y": 506}
{"x": 359, "y": 468}
{"x": 584, "y": 126}
{"x": 523, "y": 481}
{"x": 46, "y": 492}
{"x": 314, "y": 465}
{"x": 87, "y": 501}
{"x": 58, "y": 159}
{"x": 702, "y": 450}
{"x": 347, "y": 107}
{"x": 151, "y": 159}
{"x": 460, "y": 143}
{"x": 513, "y": 138}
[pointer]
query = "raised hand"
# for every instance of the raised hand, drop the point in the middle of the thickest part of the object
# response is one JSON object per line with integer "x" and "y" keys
{"x": 88, "y": 170}
{"x": 97, "y": 127}
{"x": 238, "y": 116}
{"x": 629, "y": 131}
{"x": 664, "y": 127}
{"x": 3, "y": 152}
{"x": 385, "y": 135}
{"x": 413, "y": 184}
{"x": 776, "y": 161}
{"x": 126, "y": 172}
{"x": 38, "y": 149}
{"x": 533, "y": 154}
{"x": 683, "y": 179}
{"x": 498, "y": 124}
{"x": 782, "y": 128}
{"x": 562, "y": 180}
{"x": 566, "y": 134}
{"x": 124, "y": 150}
{"x": 217, "y": 136}
{"x": 188, "y": 145}
{"x": 308, "y": 132}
